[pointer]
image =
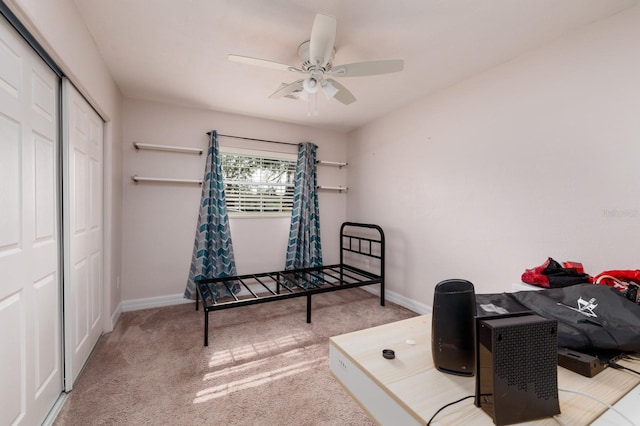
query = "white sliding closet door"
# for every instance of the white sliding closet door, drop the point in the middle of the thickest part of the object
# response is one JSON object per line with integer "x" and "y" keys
{"x": 30, "y": 289}
{"x": 83, "y": 134}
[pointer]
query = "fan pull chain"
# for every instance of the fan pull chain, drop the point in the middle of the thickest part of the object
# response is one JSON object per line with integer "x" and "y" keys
{"x": 315, "y": 100}
{"x": 313, "y": 96}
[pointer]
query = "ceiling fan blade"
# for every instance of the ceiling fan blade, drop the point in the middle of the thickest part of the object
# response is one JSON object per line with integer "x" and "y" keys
{"x": 343, "y": 95}
{"x": 261, "y": 62}
{"x": 323, "y": 37}
{"x": 287, "y": 89}
{"x": 358, "y": 69}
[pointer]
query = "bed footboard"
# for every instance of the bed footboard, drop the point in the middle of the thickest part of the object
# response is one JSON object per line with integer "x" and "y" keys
{"x": 363, "y": 246}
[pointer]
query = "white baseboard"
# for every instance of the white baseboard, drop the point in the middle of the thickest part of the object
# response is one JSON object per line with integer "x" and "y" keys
{"x": 176, "y": 299}
{"x": 154, "y": 302}
{"x": 116, "y": 316}
{"x": 398, "y": 299}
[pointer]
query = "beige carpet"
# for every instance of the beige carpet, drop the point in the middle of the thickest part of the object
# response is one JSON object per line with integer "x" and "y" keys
{"x": 264, "y": 365}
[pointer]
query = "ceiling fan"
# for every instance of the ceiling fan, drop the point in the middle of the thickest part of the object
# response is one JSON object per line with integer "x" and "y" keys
{"x": 317, "y": 63}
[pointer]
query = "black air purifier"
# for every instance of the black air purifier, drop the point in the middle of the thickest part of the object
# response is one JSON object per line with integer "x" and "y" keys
{"x": 452, "y": 327}
{"x": 516, "y": 370}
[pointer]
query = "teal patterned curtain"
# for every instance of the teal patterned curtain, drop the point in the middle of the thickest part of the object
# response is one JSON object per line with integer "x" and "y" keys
{"x": 304, "y": 249}
{"x": 212, "y": 249}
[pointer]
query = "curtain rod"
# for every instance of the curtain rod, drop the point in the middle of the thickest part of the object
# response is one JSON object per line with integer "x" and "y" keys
{"x": 253, "y": 139}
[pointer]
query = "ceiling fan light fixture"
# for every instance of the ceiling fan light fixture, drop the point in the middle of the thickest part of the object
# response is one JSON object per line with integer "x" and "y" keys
{"x": 329, "y": 89}
{"x": 310, "y": 85}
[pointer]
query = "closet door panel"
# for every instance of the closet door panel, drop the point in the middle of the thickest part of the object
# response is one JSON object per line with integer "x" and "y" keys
{"x": 30, "y": 287}
{"x": 83, "y": 318}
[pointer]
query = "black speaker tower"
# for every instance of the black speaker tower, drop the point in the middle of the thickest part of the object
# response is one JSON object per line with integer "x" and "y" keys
{"x": 452, "y": 327}
{"x": 517, "y": 367}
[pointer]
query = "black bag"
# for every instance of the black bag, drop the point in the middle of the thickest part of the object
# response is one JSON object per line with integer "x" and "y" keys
{"x": 590, "y": 317}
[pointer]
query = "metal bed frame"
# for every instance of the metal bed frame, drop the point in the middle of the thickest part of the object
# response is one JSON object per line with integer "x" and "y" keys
{"x": 357, "y": 247}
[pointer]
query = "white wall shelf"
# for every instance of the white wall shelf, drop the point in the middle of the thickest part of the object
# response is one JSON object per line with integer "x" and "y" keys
{"x": 332, "y": 163}
{"x": 333, "y": 188}
{"x": 167, "y": 148}
{"x": 138, "y": 179}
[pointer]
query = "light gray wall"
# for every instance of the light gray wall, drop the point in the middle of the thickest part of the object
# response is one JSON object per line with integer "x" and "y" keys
{"x": 160, "y": 219}
{"x": 535, "y": 158}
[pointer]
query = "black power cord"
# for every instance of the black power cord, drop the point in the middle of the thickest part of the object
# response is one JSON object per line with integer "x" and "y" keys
{"x": 617, "y": 366}
{"x": 448, "y": 405}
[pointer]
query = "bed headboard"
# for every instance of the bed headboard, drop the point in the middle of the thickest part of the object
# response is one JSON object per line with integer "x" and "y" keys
{"x": 363, "y": 239}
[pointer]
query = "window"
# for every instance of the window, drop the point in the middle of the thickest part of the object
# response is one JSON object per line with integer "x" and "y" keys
{"x": 258, "y": 183}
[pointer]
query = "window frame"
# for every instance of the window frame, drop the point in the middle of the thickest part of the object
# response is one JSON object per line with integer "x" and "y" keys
{"x": 268, "y": 155}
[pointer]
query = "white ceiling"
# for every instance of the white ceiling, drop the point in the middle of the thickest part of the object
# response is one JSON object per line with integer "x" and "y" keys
{"x": 176, "y": 50}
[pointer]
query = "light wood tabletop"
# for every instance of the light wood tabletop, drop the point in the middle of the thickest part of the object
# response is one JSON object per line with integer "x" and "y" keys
{"x": 412, "y": 382}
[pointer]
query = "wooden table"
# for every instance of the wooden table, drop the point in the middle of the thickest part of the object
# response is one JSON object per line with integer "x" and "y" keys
{"x": 408, "y": 390}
